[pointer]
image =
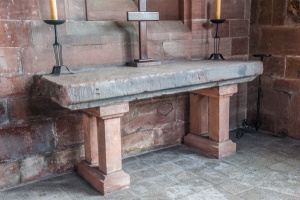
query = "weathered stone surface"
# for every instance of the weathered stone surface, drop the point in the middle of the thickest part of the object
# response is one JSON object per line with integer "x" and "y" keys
{"x": 279, "y": 12}
{"x": 239, "y": 28}
{"x": 75, "y": 9}
{"x": 137, "y": 142}
{"x": 3, "y": 112}
{"x": 228, "y": 7}
{"x": 171, "y": 134}
{"x": 69, "y": 129}
{"x": 271, "y": 37}
{"x": 103, "y": 10}
{"x": 265, "y": 13}
{"x": 9, "y": 60}
{"x": 168, "y": 30}
{"x": 168, "y": 9}
{"x": 9, "y": 174}
{"x": 15, "y": 86}
{"x": 32, "y": 168}
{"x": 65, "y": 160}
{"x": 15, "y": 33}
{"x": 25, "y": 109}
{"x": 168, "y": 78}
{"x": 21, "y": 141}
{"x": 240, "y": 46}
{"x": 19, "y": 10}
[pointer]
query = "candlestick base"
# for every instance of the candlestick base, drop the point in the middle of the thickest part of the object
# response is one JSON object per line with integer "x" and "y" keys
{"x": 216, "y": 56}
{"x": 56, "y": 70}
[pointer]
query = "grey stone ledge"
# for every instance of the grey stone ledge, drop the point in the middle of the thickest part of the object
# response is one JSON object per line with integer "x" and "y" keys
{"x": 110, "y": 85}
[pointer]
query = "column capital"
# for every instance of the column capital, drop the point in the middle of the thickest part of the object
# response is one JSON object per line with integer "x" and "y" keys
{"x": 220, "y": 91}
{"x": 108, "y": 112}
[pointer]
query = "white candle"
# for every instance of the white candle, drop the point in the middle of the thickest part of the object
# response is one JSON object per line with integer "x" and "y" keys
{"x": 218, "y": 9}
{"x": 53, "y": 10}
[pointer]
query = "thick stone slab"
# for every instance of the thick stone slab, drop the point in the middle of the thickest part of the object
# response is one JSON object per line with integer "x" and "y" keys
{"x": 111, "y": 85}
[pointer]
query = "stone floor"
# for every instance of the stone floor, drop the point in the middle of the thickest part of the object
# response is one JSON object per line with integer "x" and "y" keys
{"x": 264, "y": 167}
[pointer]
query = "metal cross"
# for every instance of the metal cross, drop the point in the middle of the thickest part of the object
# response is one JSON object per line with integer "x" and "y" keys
{"x": 142, "y": 17}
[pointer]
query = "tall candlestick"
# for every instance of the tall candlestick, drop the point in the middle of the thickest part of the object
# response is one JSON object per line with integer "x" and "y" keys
{"x": 218, "y": 9}
{"x": 53, "y": 9}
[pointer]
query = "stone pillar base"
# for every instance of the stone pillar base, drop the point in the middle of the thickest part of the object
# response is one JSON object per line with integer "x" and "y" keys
{"x": 209, "y": 147}
{"x": 103, "y": 183}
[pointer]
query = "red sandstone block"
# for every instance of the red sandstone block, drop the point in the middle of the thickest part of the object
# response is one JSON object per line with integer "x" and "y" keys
{"x": 9, "y": 60}
{"x": 202, "y": 29}
{"x": 200, "y": 10}
{"x": 15, "y": 86}
{"x": 274, "y": 66}
{"x": 137, "y": 142}
{"x": 267, "y": 122}
{"x": 290, "y": 86}
{"x": 171, "y": 134}
{"x": 292, "y": 68}
{"x": 75, "y": 9}
{"x": 3, "y": 112}
{"x": 65, "y": 160}
{"x": 19, "y": 10}
{"x": 24, "y": 109}
{"x": 15, "y": 33}
{"x": 273, "y": 37}
{"x": 168, "y": 30}
{"x": 254, "y": 12}
{"x": 265, "y": 14}
{"x": 149, "y": 114}
{"x": 177, "y": 49}
{"x": 255, "y": 40}
{"x": 69, "y": 129}
{"x": 239, "y": 28}
{"x": 248, "y": 9}
{"x": 168, "y": 9}
{"x": 9, "y": 174}
{"x": 33, "y": 168}
{"x": 38, "y": 59}
{"x": 279, "y": 12}
{"x": 294, "y": 128}
{"x": 240, "y": 46}
{"x": 20, "y": 141}
{"x": 103, "y": 10}
{"x": 155, "y": 50}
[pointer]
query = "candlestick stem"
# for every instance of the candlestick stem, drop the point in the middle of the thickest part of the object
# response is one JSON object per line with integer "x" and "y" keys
{"x": 216, "y": 55}
{"x": 57, "y": 47}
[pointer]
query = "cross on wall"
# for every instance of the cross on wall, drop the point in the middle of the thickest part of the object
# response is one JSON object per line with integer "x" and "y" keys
{"x": 142, "y": 16}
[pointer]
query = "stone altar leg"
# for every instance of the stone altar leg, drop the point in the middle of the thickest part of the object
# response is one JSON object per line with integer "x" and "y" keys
{"x": 217, "y": 144}
{"x": 106, "y": 175}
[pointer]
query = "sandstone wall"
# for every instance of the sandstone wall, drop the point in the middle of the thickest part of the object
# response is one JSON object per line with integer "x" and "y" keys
{"x": 273, "y": 31}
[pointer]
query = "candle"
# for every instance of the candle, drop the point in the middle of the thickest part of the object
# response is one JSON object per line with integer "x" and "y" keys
{"x": 218, "y": 9}
{"x": 53, "y": 9}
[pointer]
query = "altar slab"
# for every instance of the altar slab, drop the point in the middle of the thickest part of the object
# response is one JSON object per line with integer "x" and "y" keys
{"x": 111, "y": 85}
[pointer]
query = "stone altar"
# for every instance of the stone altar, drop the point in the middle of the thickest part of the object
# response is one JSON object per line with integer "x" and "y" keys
{"x": 104, "y": 95}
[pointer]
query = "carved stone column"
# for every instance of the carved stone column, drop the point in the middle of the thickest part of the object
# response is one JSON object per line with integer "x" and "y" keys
{"x": 209, "y": 121}
{"x": 103, "y": 165}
